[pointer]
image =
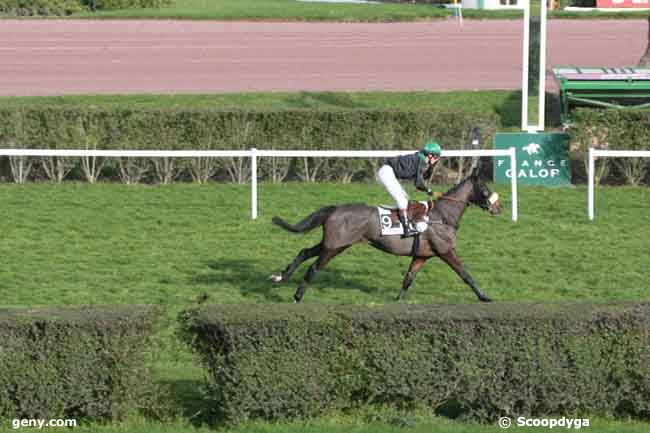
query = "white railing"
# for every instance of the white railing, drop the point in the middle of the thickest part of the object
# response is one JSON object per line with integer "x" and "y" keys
{"x": 595, "y": 153}
{"x": 541, "y": 104}
{"x": 255, "y": 153}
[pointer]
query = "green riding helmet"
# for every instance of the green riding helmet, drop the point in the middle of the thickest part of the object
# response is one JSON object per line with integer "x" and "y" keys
{"x": 431, "y": 148}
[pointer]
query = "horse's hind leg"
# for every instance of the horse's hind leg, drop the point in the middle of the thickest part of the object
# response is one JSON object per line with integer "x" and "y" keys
{"x": 452, "y": 260}
{"x": 319, "y": 264}
{"x": 414, "y": 267}
{"x": 304, "y": 254}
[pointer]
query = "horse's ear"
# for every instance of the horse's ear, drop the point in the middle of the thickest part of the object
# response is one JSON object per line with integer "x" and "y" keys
{"x": 475, "y": 173}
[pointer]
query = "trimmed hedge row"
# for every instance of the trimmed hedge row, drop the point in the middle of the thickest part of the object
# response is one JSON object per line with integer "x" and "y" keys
{"x": 74, "y": 362}
{"x": 613, "y": 129}
{"x": 39, "y": 7}
{"x": 35, "y": 127}
{"x": 478, "y": 361}
{"x": 180, "y": 129}
{"x": 69, "y": 7}
{"x": 124, "y": 4}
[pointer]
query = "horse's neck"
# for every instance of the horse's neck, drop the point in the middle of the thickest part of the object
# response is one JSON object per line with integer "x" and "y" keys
{"x": 452, "y": 210}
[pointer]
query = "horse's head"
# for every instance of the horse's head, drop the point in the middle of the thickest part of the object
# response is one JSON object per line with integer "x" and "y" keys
{"x": 482, "y": 196}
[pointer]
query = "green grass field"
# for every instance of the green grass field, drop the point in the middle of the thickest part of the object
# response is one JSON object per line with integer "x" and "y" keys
{"x": 108, "y": 243}
{"x": 498, "y": 101}
{"x": 293, "y": 10}
{"x": 77, "y": 244}
{"x": 280, "y": 10}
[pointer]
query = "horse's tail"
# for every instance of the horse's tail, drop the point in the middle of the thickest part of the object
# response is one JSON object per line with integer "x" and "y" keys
{"x": 310, "y": 222}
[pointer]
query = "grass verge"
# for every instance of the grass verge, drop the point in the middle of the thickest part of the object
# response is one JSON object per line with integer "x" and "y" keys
{"x": 292, "y": 10}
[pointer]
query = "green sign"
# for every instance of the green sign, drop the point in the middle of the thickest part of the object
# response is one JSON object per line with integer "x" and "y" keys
{"x": 542, "y": 159}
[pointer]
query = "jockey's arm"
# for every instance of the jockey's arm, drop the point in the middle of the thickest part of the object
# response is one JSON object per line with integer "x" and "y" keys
{"x": 420, "y": 185}
{"x": 420, "y": 182}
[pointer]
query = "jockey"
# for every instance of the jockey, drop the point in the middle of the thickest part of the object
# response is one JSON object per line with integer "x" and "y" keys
{"x": 416, "y": 167}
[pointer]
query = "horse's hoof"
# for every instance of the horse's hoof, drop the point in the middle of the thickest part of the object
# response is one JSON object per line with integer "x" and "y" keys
{"x": 484, "y": 298}
{"x": 276, "y": 278}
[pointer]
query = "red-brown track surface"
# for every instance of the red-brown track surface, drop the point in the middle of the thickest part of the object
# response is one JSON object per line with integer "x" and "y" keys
{"x": 56, "y": 57}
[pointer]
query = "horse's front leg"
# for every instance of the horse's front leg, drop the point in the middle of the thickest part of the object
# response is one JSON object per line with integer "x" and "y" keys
{"x": 414, "y": 267}
{"x": 451, "y": 258}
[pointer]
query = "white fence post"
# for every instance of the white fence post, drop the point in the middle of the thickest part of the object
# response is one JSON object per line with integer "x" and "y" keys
{"x": 254, "y": 183}
{"x": 596, "y": 153}
{"x": 524, "y": 67}
{"x": 542, "y": 68}
{"x": 590, "y": 193}
{"x": 513, "y": 183}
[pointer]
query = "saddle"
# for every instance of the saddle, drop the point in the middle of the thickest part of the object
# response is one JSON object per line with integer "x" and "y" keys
{"x": 416, "y": 211}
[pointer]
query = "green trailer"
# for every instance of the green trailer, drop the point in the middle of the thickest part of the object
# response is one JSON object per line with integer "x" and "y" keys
{"x": 602, "y": 87}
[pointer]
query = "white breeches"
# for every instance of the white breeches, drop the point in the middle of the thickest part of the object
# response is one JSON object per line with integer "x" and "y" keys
{"x": 386, "y": 176}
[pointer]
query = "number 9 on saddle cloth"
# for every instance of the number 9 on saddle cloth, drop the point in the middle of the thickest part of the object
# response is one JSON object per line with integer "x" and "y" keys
{"x": 389, "y": 222}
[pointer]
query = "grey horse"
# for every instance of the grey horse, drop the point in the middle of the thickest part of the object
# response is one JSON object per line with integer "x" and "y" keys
{"x": 349, "y": 224}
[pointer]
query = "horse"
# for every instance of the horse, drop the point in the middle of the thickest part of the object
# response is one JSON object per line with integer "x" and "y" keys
{"x": 349, "y": 224}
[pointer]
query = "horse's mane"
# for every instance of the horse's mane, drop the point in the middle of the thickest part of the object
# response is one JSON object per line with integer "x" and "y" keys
{"x": 456, "y": 187}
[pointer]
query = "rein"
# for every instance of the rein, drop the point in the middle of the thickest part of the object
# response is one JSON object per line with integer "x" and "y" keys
{"x": 443, "y": 219}
{"x": 444, "y": 197}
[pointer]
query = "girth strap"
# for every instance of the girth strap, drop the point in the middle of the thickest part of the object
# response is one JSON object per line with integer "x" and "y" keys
{"x": 416, "y": 245}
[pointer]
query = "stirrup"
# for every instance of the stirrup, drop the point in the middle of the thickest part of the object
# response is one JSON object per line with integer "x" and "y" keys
{"x": 407, "y": 227}
{"x": 408, "y": 232}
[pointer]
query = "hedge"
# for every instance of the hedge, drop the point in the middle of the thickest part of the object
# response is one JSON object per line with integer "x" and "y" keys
{"x": 182, "y": 129}
{"x": 124, "y": 4}
{"x": 613, "y": 129}
{"x": 80, "y": 363}
{"x": 69, "y": 7}
{"x": 475, "y": 361}
{"x": 39, "y": 7}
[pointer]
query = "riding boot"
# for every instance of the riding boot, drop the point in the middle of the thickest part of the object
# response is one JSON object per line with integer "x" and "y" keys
{"x": 409, "y": 230}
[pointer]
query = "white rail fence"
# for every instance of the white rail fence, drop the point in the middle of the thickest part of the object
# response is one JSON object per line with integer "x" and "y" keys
{"x": 254, "y": 154}
{"x": 597, "y": 153}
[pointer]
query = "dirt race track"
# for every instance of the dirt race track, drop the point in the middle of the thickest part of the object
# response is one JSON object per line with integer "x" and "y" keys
{"x": 55, "y": 57}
